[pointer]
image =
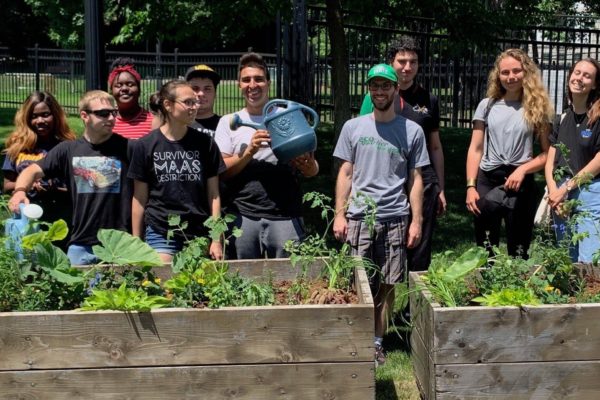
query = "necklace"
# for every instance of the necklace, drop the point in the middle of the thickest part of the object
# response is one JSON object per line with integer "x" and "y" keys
{"x": 579, "y": 118}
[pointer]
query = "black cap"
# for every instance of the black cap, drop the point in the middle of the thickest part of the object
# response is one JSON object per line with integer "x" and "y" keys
{"x": 202, "y": 71}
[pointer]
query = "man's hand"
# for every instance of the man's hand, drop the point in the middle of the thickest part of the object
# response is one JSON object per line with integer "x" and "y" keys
{"x": 414, "y": 235}
{"x": 442, "y": 204}
{"x": 306, "y": 164}
{"x": 340, "y": 227}
{"x": 260, "y": 139}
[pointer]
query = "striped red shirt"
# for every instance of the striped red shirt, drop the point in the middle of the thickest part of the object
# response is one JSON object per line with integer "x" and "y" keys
{"x": 134, "y": 128}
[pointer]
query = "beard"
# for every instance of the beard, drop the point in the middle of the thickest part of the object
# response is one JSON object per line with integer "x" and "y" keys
{"x": 385, "y": 106}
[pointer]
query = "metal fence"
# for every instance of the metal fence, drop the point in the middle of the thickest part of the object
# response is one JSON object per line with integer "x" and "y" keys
{"x": 62, "y": 72}
{"x": 459, "y": 82}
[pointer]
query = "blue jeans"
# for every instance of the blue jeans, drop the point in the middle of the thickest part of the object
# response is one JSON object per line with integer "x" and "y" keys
{"x": 263, "y": 237}
{"x": 160, "y": 243}
{"x": 81, "y": 255}
{"x": 587, "y": 222}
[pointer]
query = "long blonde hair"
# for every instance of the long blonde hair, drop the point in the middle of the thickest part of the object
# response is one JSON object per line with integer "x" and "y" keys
{"x": 24, "y": 138}
{"x": 538, "y": 111}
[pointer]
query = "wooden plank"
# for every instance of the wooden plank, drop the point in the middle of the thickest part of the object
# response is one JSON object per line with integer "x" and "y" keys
{"x": 363, "y": 290}
{"x": 511, "y": 334}
{"x": 277, "y": 334}
{"x": 569, "y": 380}
{"x": 422, "y": 366}
{"x": 355, "y": 381}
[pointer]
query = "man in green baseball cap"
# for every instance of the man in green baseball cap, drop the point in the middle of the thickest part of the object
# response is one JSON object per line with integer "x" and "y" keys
{"x": 382, "y": 154}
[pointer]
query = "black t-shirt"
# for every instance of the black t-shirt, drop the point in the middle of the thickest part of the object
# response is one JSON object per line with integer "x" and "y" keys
{"x": 582, "y": 141}
{"x": 207, "y": 125}
{"x": 176, "y": 173}
{"x": 421, "y": 107}
{"x": 96, "y": 178}
{"x": 266, "y": 190}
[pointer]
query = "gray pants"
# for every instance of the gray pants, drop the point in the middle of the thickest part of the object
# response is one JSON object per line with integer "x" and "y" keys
{"x": 262, "y": 237}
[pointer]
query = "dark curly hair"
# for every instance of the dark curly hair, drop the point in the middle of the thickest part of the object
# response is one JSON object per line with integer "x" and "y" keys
{"x": 402, "y": 44}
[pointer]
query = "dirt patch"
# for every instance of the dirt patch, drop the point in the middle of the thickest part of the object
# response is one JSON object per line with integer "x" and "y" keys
{"x": 311, "y": 292}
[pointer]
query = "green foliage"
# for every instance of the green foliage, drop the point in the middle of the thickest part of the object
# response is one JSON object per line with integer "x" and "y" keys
{"x": 509, "y": 297}
{"x": 446, "y": 277}
{"x": 58, "y": 230}
{"x": 121, "y": 248}
{"x": 123, "y": 299}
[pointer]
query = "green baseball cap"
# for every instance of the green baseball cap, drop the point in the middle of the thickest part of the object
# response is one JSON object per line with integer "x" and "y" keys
{"x": 384, "y": 71}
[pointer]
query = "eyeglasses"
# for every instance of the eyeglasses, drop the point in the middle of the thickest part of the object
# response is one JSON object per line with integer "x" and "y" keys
{"x": 376, "y": 86}
{"x": 104, "y": 113}
{"x": 189, "y": 103}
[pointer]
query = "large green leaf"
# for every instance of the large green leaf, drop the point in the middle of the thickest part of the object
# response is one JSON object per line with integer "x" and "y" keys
{"x": 56, "y": 264}
{"x": 471, "y": 259}
{"x": 57, "y": 231}
{"x": 121, "y": 248}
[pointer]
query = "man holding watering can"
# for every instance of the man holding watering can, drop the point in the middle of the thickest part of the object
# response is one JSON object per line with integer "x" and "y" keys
{"x": 382, "y": 154}
{"x": 264, "y": 193}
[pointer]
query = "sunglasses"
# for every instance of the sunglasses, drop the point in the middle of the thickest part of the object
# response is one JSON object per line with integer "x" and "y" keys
{"x": 104, "y": 113}
{"x": 376, "y": 86}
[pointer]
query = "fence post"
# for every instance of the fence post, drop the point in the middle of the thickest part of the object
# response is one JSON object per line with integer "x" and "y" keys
{"x": 36, "y": 66}
{"x": 175, "y": 54}
{"x": 299, "y": 64}
{"x": 95, "y": 66}
{"x": 157, "y": 68}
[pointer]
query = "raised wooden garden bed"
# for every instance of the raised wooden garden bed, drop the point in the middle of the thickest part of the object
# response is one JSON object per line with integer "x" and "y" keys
{"x": 279, "y": 352}
{"x": 543, "y": 352}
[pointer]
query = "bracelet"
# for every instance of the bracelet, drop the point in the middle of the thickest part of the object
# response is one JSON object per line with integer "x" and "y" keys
{"x": 20, "y": 189}
{"x": 471, "y": 182}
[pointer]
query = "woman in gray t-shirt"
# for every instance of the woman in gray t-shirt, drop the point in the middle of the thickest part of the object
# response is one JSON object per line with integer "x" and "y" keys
{"x": 500, "y": 162}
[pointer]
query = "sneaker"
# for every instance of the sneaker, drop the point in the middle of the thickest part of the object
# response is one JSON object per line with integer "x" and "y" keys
{"x": 379, "y": 355}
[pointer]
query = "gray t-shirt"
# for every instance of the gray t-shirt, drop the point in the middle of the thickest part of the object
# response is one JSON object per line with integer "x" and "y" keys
{"x": 382, "y": 153}
{"x": 509, "y": 139}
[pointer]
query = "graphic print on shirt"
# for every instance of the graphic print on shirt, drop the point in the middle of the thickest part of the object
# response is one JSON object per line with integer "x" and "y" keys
{"x": 182, "y": 166}
{"x": 24, "y": 160}
{"x": 97, "y": 174}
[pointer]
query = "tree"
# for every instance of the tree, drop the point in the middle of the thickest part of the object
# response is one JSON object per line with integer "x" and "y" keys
{"x": 135, "y": 21}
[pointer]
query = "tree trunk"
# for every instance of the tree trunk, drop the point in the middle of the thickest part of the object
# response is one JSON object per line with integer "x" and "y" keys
{"x": 340, "y": 74}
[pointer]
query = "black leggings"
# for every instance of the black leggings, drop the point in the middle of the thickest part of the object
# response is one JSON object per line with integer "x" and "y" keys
{"x": 518, "y": 221}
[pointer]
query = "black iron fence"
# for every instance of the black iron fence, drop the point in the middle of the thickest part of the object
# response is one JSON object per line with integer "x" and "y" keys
{"x": 62, "y": 72}
{"x": 459, "y": 82}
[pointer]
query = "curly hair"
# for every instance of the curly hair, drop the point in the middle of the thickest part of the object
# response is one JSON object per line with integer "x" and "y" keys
{"x": 24, "y": 138}
{"x": 534, "y": 97}
{"x": 593, "y": 99}
{"x": 402, "y": 44}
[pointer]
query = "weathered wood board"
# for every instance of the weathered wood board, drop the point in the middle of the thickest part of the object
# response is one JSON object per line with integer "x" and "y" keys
{"x": 504, "y": 352}
{"x": 288, "y": 352}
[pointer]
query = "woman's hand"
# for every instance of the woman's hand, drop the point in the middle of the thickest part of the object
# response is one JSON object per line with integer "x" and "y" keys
{"x": 216, "y": 250}
{"x": 514, "y": 180}
{"x": 472, "y": 198}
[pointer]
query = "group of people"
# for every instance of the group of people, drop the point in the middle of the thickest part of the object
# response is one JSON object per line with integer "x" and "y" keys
{"x": 132, "y": 168}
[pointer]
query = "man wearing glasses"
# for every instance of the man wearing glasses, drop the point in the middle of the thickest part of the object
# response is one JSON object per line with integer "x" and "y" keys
{"x": 382, "y": 154}
{"x": 94, "y": 168}
{"x": 417, "y": 104}
{"x": 263, "y": 193}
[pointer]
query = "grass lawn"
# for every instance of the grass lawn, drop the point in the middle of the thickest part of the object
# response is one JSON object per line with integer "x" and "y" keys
{"x": 395, "y": 379}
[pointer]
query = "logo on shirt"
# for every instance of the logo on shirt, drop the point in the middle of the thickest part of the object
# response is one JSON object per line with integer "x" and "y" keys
{"x": 182, "y": 166}
{"x": 586, "y": 133}
{"x": 421, "y": 110}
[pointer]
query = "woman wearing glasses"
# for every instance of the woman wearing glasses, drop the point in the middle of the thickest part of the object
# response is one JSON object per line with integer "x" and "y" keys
{"x": 500, "y": 161}
{"x": 124, "y": 83}
{"x": 40, "y": 124}
{"x": 175, "y": 171}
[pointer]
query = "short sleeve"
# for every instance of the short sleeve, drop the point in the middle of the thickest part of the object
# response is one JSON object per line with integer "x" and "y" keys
{"x": 343, "y": 148}
{"x": 223, "y": 136}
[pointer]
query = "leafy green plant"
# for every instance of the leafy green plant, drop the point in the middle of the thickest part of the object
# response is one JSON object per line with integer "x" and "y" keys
{"x": 57, "y": 230}
{"x": 123, "y": 299}
{"x": 446, "y": 273}
{"x": 121, "y": 248}
{"x": 509, "y": 297}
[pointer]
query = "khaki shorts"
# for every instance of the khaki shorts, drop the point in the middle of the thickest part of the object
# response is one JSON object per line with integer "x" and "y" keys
{"x": 385, "y": 247}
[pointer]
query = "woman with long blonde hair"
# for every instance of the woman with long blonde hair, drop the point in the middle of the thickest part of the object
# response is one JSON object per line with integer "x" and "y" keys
{"x": 40, "y": 124}
{"x": 500, "y": 161}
